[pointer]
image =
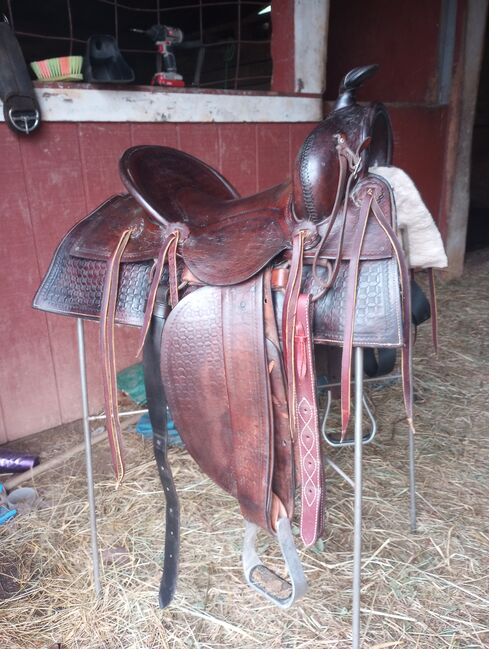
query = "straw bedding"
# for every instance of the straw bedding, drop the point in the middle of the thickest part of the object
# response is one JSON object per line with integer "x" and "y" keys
{"x": 427, "y": 590}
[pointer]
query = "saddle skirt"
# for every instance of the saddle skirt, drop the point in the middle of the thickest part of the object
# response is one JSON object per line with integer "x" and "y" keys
{"x": 73, "y": 284}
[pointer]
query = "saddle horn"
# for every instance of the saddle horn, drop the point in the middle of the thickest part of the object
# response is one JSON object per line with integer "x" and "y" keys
{"x": 350, "y": 84}
{"x": 316, "y": 171}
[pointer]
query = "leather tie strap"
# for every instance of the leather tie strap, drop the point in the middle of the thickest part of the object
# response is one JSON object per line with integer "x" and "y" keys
{"x": 156, "y": 397}
{"x": 288, "y": 318}
{"x": 168, "y": 249}
{"x": 348, "y": 161}
{"x": 172, "y": 268}
{"x": 350, "y": 301}
{"x": 107, "y": 326}
{"x": 406, "y": 371}
{"x": 308, "y": 436}
{"x": 301, "y": 389}
{"x": 434, "y": 308}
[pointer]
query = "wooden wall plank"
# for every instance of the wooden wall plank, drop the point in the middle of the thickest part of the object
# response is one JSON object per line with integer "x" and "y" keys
{"x": 273, "y": 155}
{"x": 101, "y": 146}
{"x": 27, "y": 376}
{"x": 201, "y": 141}
{"x": 238, "y": 156}
{"x": 57, "y": 203}
{"x": 401, "y": 36}
{"x": 419, "y": 149}
{"x": 158, "y": 134}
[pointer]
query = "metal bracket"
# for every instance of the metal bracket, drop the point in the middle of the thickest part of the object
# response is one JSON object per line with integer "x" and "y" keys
{"x": 24, "y": 121}
{"x": 368, "y": 437}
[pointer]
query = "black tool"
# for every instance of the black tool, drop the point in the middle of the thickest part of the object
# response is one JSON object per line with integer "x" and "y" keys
{"x": 104, "y": 63}
{"x": 165, "y": 38}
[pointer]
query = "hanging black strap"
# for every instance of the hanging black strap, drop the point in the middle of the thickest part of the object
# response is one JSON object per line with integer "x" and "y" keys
{"x": 157, "y": 413}
{"x": 420, "y": 305}
{"x": 20, "y": 106}
{"x": 378, "y": 362}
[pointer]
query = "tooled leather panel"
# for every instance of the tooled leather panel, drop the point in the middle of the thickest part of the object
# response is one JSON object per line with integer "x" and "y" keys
{"x": 378, "y": 319}
{"x": 193, "y": 376}
{"x": 232, "y": 252}
{"x": 74, "y": 287}
{"x": 96, "y": 236}
{"x": 213, "y": 376}
{"x": 376, "y": 244}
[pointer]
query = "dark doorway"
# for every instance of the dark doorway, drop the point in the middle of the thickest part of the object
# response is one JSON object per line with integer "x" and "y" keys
{"x": 478, "y": 224}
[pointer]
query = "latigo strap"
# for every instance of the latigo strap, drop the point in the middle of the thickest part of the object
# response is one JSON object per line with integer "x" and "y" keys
{"x": 157, "y": 413}
{"x": 107, "y": 320}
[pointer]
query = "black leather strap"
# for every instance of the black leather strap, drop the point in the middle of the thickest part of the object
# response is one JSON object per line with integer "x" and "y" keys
{"x": 378, "y": 362}
{"x": 157, "y": 414}
{"x": 420, "y": 306}
{"x": 20, "y": 106}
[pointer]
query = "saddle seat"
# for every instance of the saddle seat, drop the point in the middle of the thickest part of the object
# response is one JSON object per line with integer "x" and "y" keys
{"x": 224, "y": 239}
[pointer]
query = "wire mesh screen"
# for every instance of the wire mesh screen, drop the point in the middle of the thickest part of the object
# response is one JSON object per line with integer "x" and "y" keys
{"x": 226, "y": 42}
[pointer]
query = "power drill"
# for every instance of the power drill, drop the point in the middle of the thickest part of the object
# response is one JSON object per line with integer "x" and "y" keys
{"x": 165, "y": 38}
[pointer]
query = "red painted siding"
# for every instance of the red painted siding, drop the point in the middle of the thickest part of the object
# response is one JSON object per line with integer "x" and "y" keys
{"x": 25, "y": 344}
{"x": 420, "y": 134}
{"x": 52, "y": 180}
{"x": 273, "y": 154}
{"x": 401, "y": 36}
{"x": 283, "y": 54}
{"x": 238, "y": 145}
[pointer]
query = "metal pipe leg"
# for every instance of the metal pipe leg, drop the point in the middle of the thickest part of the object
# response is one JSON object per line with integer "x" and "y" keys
{"x": 412, "y": 480}
{"x": 357, "y": 525}
{"x": 88, "y": 456}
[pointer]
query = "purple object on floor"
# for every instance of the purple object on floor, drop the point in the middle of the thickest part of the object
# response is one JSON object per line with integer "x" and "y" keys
{"x": 15, "y": 462}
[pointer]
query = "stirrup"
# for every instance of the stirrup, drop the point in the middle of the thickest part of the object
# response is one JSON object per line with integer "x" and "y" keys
{"x": 279, "y": 591}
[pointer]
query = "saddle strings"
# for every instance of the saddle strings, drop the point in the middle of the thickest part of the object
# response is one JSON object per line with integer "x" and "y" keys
{"x": 351, "y": 302}
{"x": 406, "y": 312}
{"x": 434, "y": 308}
{"x": 107, "y": 327}
{"x": 168, "y": 249}
{"x": 106, "y": 341}
{"x": 348, "y": 161}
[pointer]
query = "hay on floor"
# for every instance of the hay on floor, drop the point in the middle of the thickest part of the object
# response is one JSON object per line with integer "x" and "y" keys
{"x": 426, "y": 590}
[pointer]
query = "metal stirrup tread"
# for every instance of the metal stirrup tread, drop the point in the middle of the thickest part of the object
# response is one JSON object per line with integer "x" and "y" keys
{"x": 265, "y": 581}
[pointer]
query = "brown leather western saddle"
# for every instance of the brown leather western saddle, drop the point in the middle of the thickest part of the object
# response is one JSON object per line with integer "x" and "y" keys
{"x": 232, "y": 295}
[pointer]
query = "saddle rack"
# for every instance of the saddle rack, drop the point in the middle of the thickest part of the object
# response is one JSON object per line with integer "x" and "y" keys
{"x": 316, "y": 260}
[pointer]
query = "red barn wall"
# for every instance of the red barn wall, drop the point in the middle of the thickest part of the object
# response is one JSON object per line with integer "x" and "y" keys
{"x": 55, "y": 177}
{"x": 49, "y": 181}
{"x": 402, "y": 37}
